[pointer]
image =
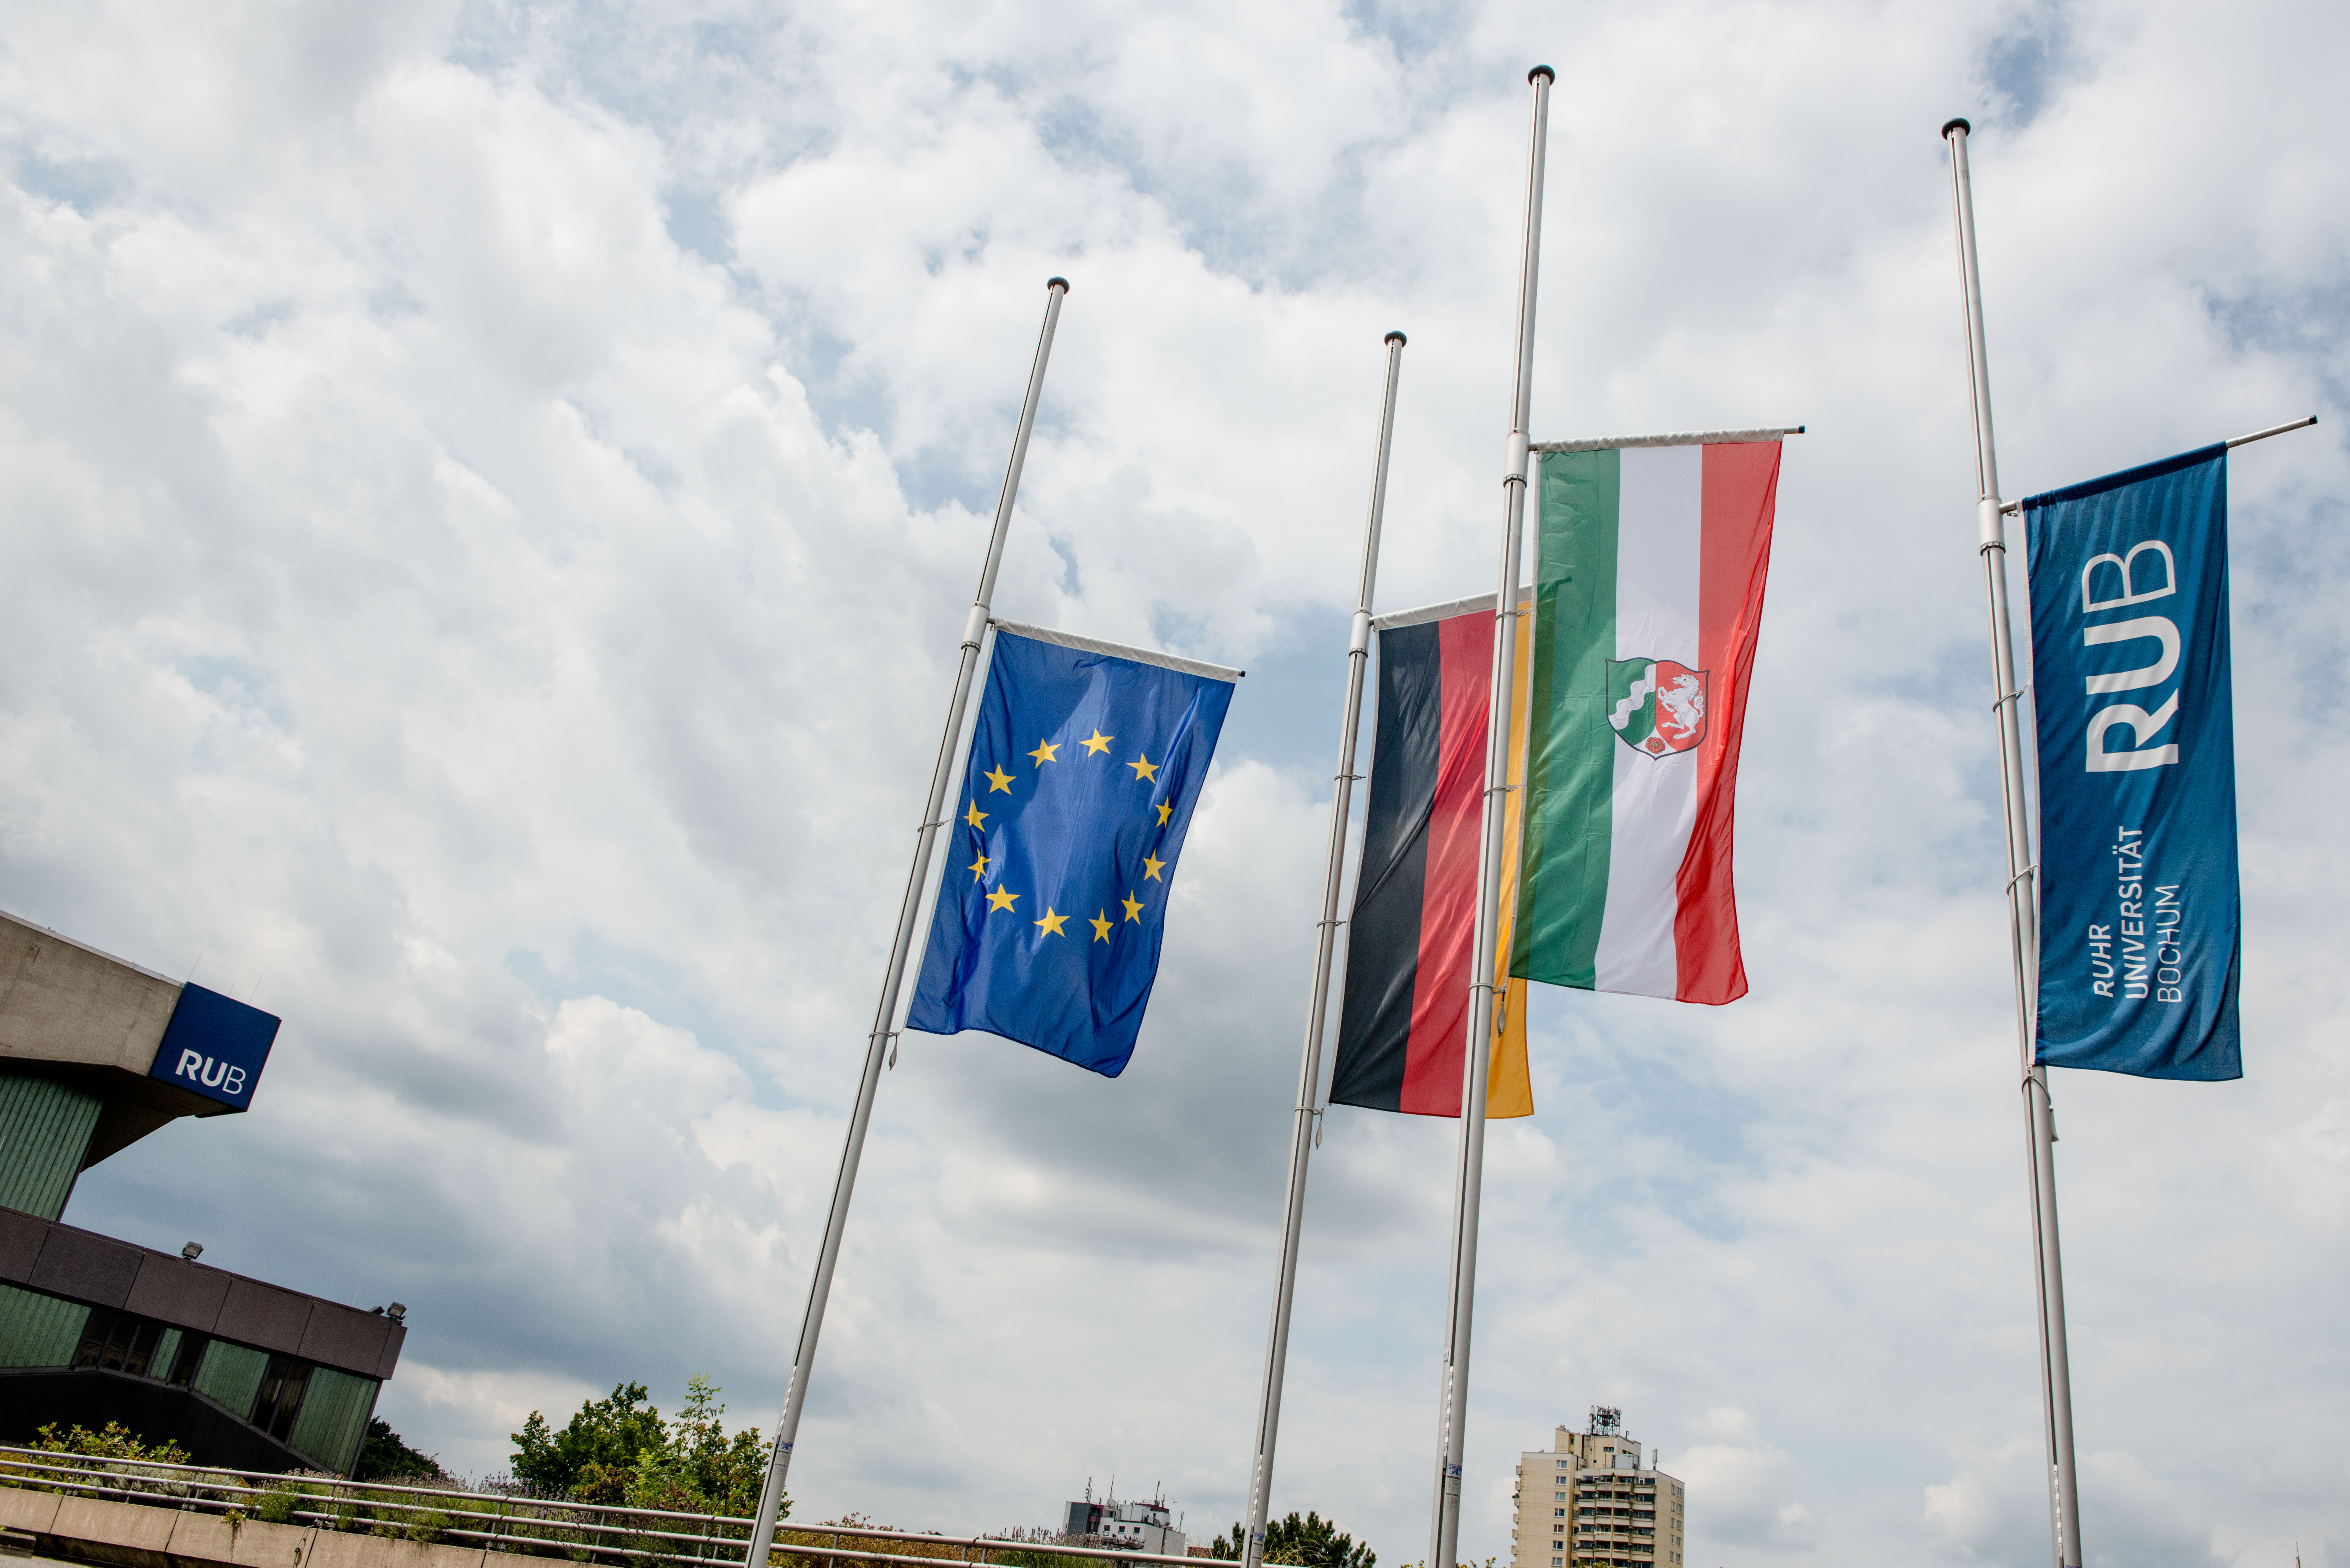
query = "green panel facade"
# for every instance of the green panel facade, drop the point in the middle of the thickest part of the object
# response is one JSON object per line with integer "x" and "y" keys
{"x": 45, "y": 1130}
{"x": 37, "y": 1330}
{"x": 230, "y": 1376}
{"x": 333, "y": 1420}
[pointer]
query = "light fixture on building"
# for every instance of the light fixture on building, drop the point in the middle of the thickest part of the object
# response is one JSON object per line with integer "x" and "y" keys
{"x": 397, "y": 1312}
{"x": 192, "y": 1250}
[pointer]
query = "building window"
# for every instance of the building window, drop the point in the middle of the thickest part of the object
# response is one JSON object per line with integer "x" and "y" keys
{"x": 281, "y": 1395}
{"x": 186, "y": 1359}
{"x": 124, "y": 1342}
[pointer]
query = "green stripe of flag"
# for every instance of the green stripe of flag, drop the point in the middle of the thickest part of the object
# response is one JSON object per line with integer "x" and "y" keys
{"x": 1570, "y": 749}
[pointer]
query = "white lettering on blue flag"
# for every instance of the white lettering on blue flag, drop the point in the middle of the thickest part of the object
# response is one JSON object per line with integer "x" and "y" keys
{"x": 2139, "y": 904}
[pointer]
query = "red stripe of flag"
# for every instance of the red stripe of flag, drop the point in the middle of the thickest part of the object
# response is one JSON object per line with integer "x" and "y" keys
{"x": 1740, "y": 485}
{"x": 1448, "y": 911}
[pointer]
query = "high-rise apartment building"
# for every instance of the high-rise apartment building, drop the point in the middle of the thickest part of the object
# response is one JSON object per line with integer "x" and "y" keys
{"x": 1585, "y": 1499}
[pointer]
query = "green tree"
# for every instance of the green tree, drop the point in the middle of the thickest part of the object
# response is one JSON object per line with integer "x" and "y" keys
{"x": 596, "y": 1451}
{"x": 385, "y": 1458}
{"x": 1312, "y": 1542}
{"x": 619, "y": 1450}
{"x": 700, "y": 1469}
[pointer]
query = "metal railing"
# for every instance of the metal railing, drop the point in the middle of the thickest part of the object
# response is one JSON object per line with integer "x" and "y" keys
{"x": 543, "y": 1527}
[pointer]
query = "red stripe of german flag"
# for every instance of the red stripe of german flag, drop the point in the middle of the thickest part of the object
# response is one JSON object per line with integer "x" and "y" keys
{"x": 1404, "y": 1020}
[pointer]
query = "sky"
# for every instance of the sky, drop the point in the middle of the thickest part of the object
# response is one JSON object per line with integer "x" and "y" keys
{"x": 489, "y": 495}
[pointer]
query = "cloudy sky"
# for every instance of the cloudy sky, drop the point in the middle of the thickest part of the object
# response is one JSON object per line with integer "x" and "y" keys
{"x": 487, "y": 497}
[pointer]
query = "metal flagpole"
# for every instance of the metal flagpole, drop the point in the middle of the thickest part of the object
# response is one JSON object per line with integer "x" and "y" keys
{"x": 877, "y": 1044}
{"x": 2023, "y": 895}
{"x": 1453, "y": 1410}
{"x": 1309, "y": 1075}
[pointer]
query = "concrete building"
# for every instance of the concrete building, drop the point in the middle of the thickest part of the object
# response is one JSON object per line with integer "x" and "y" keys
{"x": 1586, "y": 1499}
{"x": 95, "y": 1054}
{"x": 1136, "y": 1526}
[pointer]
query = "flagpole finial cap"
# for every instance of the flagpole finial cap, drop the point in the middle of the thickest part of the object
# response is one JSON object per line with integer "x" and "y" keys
{"x": 1056, "y": 282}
{"x": 1961, "y": 124}
{"x": 1396, "y": 337}
{"x": 1542, "y": 74}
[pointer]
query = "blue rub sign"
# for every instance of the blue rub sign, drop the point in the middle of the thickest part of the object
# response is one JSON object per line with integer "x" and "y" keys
{"x": 214, "y": 1046}
{"x": 2140, "y": 914}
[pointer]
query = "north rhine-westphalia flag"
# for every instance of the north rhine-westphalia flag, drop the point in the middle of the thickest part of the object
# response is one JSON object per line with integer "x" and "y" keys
{"x": 1410, "y": 946}
{"x": 1647, "y": 601}
{"x": 1086, "y": 763}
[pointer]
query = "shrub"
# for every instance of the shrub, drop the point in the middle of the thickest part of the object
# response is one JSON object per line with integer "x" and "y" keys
{"x": 112, "y": 1442}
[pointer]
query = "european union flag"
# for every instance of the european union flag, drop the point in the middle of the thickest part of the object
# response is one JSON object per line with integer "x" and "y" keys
{"x": 1085, "y": 766}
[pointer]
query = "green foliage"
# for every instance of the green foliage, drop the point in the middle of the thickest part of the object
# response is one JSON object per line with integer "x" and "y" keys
{"x": 385, "y": 1458}
{"x": 112, "y": 1442}
{"x": 700, "y": 1469}
{"x": 1311, "y": 1541}
{"x": 309, "y": 1492}
{"x": 609, "y": 1434}
{"x": 1038, "y": 1560}
{"x": 619, "y": 1450}
{"x": 113, "y": 1452}
{"x": 1004, "y": 1558}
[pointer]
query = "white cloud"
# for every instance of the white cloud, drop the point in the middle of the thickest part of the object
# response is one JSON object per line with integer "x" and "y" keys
{"x": 1740, "y": 1486}
{"x": 488, "y": 492}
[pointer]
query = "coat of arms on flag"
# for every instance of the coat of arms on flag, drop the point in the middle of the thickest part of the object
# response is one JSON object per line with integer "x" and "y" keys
{"x": 1658, "y": 707}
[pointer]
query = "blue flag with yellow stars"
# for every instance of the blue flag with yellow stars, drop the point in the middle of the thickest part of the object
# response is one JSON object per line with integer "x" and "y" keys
{"x": 1085, "y": 766}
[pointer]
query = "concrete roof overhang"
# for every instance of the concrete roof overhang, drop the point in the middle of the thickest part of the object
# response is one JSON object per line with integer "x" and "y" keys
{"x": 72, "y": 1013}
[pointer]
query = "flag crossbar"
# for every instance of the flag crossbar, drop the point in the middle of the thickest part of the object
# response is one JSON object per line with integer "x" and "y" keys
{"x": 1445, "y": 611}
{"x": 1684, "y": 438}
{"x": 1119, "y": 650}
{"x": 2012, "y": 507}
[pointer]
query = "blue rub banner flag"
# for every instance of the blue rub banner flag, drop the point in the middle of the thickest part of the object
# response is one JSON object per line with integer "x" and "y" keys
{"x": 2140, "y": 903}
{"x": 1085, "y": 766}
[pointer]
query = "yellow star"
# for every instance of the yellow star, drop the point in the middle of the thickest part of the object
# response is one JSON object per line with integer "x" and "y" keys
{"x": 1053, "y": 922}
{"x": 997, "y": 779}
{"x": 978, "y": 869}
{"x": 1164, "y": 811}
{"x": 1144, "y": 768}
{"x": 1152, "y": 866}
{"x": 1044, "y": 752}
{"x": 1133, "y": 907}
{"x": 975, "y": 816}
{"x": 1100, "y": 923}
{"x": 1000, "y": 900}
{"x": 1098, "y": 742}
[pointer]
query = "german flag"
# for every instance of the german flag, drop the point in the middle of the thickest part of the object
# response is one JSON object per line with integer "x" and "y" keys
{"x": 1411, "y": 943}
